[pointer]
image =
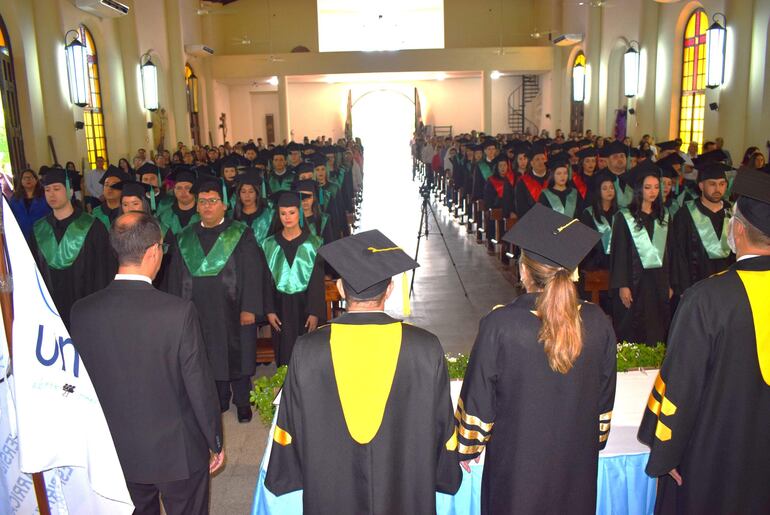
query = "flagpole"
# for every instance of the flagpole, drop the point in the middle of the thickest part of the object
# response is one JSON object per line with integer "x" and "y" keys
{"x": 6, "y": 303}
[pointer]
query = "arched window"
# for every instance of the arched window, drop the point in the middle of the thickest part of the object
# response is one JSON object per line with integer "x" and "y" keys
{"x": 93, "y": 115}
{"x": 191, "y": 85}
{"x": 11, "y": 143}
{"x": 693, "y": 106}
{"x": 577, "y": 103}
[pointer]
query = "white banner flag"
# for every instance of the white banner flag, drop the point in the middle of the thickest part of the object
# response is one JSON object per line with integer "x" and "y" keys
{"x": 60, "y": 423}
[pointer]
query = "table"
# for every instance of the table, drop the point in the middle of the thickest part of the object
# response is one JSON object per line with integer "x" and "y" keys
{"x": 622, "y": 485}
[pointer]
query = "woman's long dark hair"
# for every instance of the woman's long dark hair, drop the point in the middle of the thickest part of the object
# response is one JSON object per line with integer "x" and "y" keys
{"x": 18, "y": 190}
{"x": 635, "y": 207}
{"x": 238, "y": 208}
{"x": 128, "y": 168}
{"x": 316, "y": 215}
{"x": 596, "y": 203}
{"x": 145, "y": 206}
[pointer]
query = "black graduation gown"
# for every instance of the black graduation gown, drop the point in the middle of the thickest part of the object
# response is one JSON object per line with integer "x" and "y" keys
{"x": 542, "y": 430}
{"x": 293, "y": 309}
{"x": 492, "y": 200}
{"x": 412, "y": 454}
{"x": 479, "y": 182}
{"x": 563, "y": 197}
{"x": 523, "y": 198}
{"x": 221, "y": 298}
{"x": 648, "y": 318}
{"x": 690, "y": 262}
{"x": 709, "y": 412}
{"x": 91, "y": 271}
{"x": 458, "y": 172}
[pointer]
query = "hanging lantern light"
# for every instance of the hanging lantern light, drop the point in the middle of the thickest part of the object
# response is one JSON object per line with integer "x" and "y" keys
{"x": 716, "y": 41}
{"x": 77, "y": 68}
{"x": 149, "y": 82}
{"x": 631, "y": 70}
{"x": 578, "y": 82}
{"x": 192, "y": 84}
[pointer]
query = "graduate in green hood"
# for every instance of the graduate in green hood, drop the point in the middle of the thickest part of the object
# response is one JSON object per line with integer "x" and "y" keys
{"x": 281, "y": 178}
{"x": 700, "y": 247}
{"x": 298, "y": 301}
{"x": 71, "y": 247}
{"x": 183, "y": 211}
{"x": 707, "y": 415}
{"x": 108, "y": 210}
{"x": 216, "y": 265}
{"x": 149, "y": 173}
{"x": 640, "y": 283}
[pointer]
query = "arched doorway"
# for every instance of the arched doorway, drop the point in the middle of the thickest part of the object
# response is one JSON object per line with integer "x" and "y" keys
{"x": 11, "y": 143}
{"x": 383, "y": 117}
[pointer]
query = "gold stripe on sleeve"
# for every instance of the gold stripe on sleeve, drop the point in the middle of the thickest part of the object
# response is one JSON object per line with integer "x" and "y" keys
{"x": 605, "y": 416}
{"x": 470, "y": 434}
{"x": 604, "y": 427}
{"x": 660, "y": 386}
{"x": 281, "y": 437}
{"x": 662, "y": 432}
{"x": 603, "y": 438}
{"x": 653, "y": 404}
{"x": 469, "y": 449}
{"x": 668, "y": 408}
{"x": 470, "y": 420}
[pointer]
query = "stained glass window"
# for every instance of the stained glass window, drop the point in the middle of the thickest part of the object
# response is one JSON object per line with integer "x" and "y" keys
{"x": 93, "y": 115}
{"x": 693, "y": 104}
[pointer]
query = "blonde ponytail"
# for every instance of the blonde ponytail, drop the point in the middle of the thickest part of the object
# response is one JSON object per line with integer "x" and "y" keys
{"x": 557, "y": 306}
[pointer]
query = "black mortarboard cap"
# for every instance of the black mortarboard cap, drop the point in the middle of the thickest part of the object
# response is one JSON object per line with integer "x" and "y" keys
{"x": 250, "y": 146}
{"x": 285, "y": 198}
{"x": 616, "y": 147}
{"x": 666, "y": 170}
{"x": 183, "y": 175}
{"x": 304, "y": 167}
{"x": 366, "y": 261}
{"x": 753, "y": 188}
{"x": 714, "y": 156}
{"x": 306, "y": 185}
{"x": 584, "y": 142}
{"x": 113, "y": 171}
{"x": 713, "y": 170}
{"x": 57, "y": 175}
{"x": 253, "y": 176}
{"x": 318, "y": 159}
{"x": 279, "y": 150}
{"x": 207, "y": 182}
{"x": 147, "y": 168}
{"x": 645, "y": 169}
{"x": 560, "y": 160}
{"x": 569, "y": 144}
{"x": 667, "y": 145}
{"x": 293, "y": 147}
{"x": 552, "y": 238}
{"x": 131, "y": 188}
{"x": 489, "y": 142}
{"x": 538, "y": 147}
{"x": 587, "y": 152}
{"x": 669, "y": 160}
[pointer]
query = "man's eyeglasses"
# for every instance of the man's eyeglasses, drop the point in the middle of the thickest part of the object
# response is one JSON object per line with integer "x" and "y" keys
{"x": 208, "y": 201}
{"x": 163, "y": 246}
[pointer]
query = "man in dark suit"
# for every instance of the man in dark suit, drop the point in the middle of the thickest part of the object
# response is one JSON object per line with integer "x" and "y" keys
{"x": 144, "y": 352}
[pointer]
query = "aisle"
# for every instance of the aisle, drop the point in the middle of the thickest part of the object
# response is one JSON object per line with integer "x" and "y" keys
{"x": 391, "y": 203}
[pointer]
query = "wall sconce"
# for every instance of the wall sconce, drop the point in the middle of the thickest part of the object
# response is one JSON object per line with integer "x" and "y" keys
{"x": 149, "y": 81}
{"x": 192, "y": 83}
{"x": 631, "y": 70}
{"x": 578, "y": 82}
{"x": 494, "y": 75}
{"x": 716, "y": 41}
{"x": 77, "y": 68}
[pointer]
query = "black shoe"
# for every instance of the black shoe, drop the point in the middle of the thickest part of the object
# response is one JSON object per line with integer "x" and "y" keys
{"x": 244, "y": 414}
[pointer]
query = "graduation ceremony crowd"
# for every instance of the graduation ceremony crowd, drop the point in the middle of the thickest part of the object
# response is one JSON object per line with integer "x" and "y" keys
{"x": 249, "y": 237}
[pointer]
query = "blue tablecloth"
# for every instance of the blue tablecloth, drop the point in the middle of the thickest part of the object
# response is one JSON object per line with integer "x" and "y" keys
{"x": 622, "y": 489}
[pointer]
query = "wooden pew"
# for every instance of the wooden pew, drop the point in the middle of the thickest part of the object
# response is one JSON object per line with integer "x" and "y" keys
{"x": 506, "y": 250}
{"x": 495, "y": 215}
{"x": 597, "y": 281}
{"x": 333, "y": 299}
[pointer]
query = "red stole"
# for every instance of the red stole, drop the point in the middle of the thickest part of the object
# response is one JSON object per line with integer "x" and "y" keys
{"x": 534, "y": 187}
{"x": 580, "y": 184}
{"x": 498, "y": 184}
